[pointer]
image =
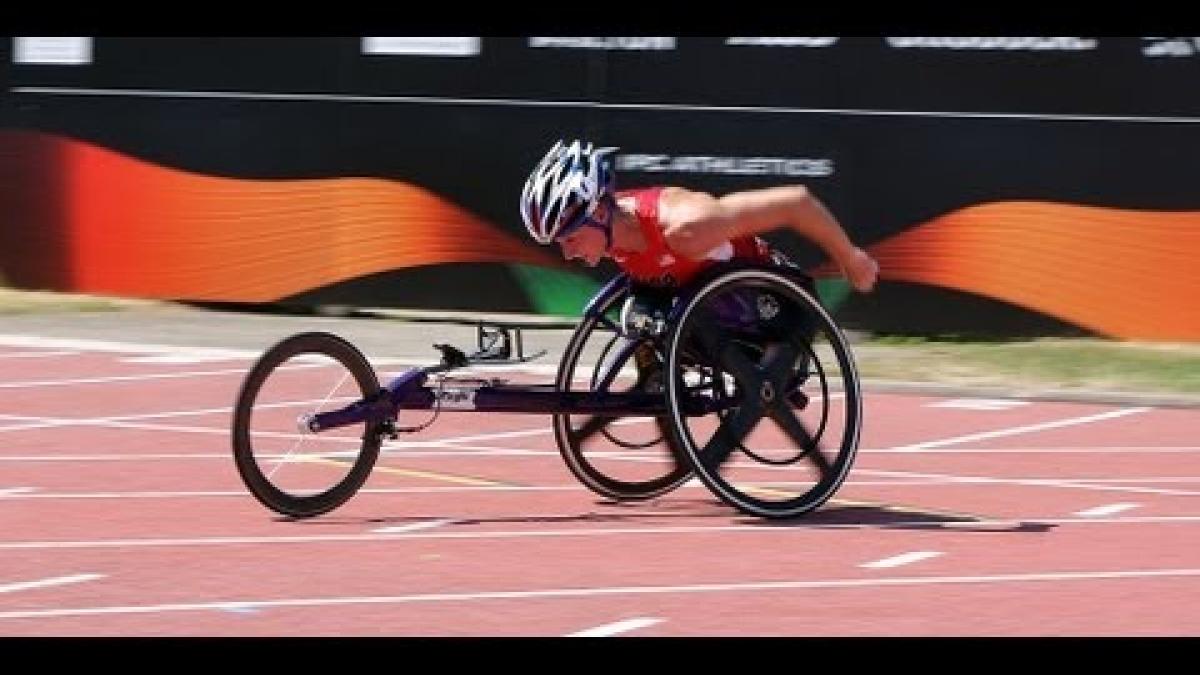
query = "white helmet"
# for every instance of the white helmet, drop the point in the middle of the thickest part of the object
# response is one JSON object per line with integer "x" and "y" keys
{"x": 565, "y": 188}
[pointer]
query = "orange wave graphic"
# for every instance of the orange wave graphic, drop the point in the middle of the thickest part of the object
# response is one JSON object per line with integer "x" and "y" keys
{"x": 1122, "y": 273}
{"x": 77, "y": 217}
{"x": 136, "y": 228}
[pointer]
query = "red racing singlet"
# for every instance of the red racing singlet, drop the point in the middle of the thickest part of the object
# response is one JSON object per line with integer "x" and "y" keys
{"x": 658, "y": 265}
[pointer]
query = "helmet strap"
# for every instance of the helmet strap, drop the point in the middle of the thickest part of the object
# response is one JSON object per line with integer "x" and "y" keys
{"x": 610, "y": 205}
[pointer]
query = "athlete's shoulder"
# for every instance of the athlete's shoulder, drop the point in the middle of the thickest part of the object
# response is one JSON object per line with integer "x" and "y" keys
{"x": 639, "y": 192}
{"x": 675, "y": 195}
{"x": 662, "y": 197}
{"x": 643, "y": 200}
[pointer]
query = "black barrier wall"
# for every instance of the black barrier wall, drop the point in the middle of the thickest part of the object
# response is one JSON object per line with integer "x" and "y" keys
{"x": 1008, "y": 186}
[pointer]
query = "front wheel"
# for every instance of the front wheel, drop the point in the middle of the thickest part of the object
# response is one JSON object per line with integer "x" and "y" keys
{"x": 289, "y": 470}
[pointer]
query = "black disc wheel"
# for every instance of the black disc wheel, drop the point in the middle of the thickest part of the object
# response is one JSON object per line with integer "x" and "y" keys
{"x": 755, "y": 342}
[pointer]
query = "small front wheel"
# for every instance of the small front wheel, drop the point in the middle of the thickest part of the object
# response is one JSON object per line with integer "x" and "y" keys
{"x": 289, "y": 469}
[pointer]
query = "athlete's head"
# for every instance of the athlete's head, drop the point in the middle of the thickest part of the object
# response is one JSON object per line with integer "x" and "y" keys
{"x": 566, "y": 190}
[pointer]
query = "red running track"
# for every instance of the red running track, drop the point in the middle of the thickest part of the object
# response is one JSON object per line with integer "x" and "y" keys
{"x": 123, "y": 515}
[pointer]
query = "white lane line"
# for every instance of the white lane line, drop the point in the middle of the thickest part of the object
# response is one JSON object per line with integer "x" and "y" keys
{"x": 30, "y": 493}
{"x": 14, "y": 491}
{"x": 183, "y": 358}
{"x": 1039, "y": 482}
{"x": 130, "y": 421}
{"x": 978, "y": 404}
{"x": 1013, "y": 431}
{"x": 537, "y": 431}
{"x": 616, "y": 628}
{"x": 80, "y": 345}
{"x": 577, "y": 532}
{"x": 582, "y": 592}
{"x": 1108, "y": 510}
{"x": 34, "y": 355}
{"x": 1033, "y": 450}
{"x": 238, "y": 608}
{"x": 414, "y": 527}
{"x": 430, "y": 489}
{"x": 902, "y": 559}
{"x": 28, "y": 422}
{"x": 52, "y": 423}
{"x": 437, "y": 451}
{"x": 139, "y": 352}
{"x": 53, "y": 581}
{"x": 124, "y": 378}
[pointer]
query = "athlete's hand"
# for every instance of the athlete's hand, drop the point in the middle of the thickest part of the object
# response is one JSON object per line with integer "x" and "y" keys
{"x": 861, "y": 270}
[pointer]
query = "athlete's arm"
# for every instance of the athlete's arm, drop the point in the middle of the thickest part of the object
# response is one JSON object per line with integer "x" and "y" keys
{"x": 695, "y": 223}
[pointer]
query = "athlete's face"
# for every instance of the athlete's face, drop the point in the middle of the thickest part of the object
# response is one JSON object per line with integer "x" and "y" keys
{"x": 587, "y": 243}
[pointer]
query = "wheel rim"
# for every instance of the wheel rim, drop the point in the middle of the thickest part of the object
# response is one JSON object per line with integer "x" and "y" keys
{"x": 627, "y": 458}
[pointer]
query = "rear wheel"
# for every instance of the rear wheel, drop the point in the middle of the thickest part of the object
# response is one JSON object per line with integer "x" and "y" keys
{"x": 621, "y": 458}
{"x": 784, "y": 375}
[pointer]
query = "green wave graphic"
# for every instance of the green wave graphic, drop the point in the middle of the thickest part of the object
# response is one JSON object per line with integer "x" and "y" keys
{"x": 555, "y": 292}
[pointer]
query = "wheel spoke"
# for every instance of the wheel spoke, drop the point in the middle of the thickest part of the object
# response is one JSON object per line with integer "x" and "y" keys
{"x": 591, "y": 427}
{"x": 730, "y": 433}
{"x": 741, "y": 367}
{"x": 300, "y": 441}
{"x": 611, "y": 368}
{"x": 794, "y": 428}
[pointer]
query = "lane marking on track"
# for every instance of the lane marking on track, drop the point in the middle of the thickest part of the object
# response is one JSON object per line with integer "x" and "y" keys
{"x": 1108, "y": 510}
{"x": 1039, "y": 482}
{"x": 414, "y": 473}
{"x": 1013, "y": 431}
{"x": 583, "y": 592}
{"x": 15, "y": 491}
{"x": 616, "y": 628}
{"x": 130, "y": 422}
{"x": 581, "y": 532}
{"x": 235, "y": 608}
{"x": 978, "y": 404}
{"x": 414, "y": 527}
{"x": 429, "y": 489}
{"x": 902, "y": 559}
{"x": 434, "y": 448}
{"x": 138, "y": 378}
{"x": 184, "y": 357}
{"x": 34, "y": 355}
{"x": 893, "y": 508}
{"x": 462, "y": 451}
{"x": 108, "y": 346}
{"x": 52, "y": 581}
{"x": 139, "y": 352}
{"x": 1110, "y": 449}
{"x": 900, "y": 508}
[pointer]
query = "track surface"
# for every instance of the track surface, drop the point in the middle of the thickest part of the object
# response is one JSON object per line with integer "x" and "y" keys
{"x": 123, "y": 515}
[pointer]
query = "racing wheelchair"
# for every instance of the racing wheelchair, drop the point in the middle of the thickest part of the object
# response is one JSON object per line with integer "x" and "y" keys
{"x": 740, "y": 378}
